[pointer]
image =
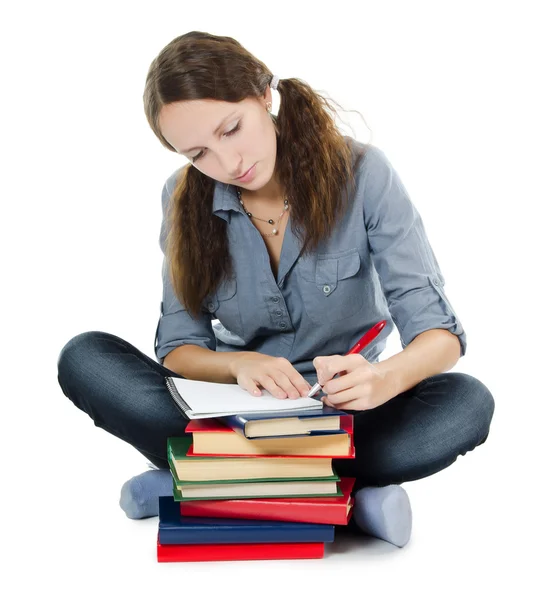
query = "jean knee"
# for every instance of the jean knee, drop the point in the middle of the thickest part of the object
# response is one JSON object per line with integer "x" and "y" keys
{"x": 74, "y": 354}
{"x": 477, "y": 405}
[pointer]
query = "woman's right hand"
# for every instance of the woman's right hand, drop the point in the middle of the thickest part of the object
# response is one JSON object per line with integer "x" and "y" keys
{"x": 277, "y": 375}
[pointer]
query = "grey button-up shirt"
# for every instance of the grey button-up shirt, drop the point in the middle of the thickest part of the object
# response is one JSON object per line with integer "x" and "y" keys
{"x": 377, "y": 264}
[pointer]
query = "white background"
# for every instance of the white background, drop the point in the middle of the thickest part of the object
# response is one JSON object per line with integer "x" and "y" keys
{"x": 458, "y": 97}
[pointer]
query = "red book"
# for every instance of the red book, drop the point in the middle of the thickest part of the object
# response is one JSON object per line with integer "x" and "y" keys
{"x": 209, "y": 552}
{"x": 331, "y": 510}
{"x": 213, "y": 438}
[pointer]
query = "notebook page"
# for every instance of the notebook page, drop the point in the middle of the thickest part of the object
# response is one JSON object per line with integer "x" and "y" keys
{"x": 205, "y": 397}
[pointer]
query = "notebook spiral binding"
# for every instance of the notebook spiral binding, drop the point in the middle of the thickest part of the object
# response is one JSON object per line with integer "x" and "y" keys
{"x": 179, "y": 401}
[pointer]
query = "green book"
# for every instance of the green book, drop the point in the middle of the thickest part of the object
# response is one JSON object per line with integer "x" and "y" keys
{"x": 215, "y": 482}
{"x": 229, "y": 492}
{"x": 243, "y": 469}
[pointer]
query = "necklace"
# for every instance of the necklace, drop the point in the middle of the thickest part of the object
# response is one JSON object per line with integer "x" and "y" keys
{"x": 269, "y": 221}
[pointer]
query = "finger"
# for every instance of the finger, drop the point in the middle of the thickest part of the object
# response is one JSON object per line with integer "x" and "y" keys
{"x": 353, "y": 405}
{"x": 321, "y": 363}
{"x": 327, "y": 402}
{"x": 332, "y": 365}
{"x": 298, "y": 383}
{"x": 302, "y": 386}
{"x": 349, "y": 380}
{"x": 249, "y": 385}
{"x": 349, "y": 395}
{"x": 283, "y": 381}
{"x": 271, "y": 386}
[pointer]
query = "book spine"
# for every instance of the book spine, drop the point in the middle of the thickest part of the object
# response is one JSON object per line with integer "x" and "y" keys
{"x": 281, "y": 533}
{"x": 245, "y": 452}
{"x": 268, "y": 511}
{"x": 236, "y": 423}
{"x": 213, "y": 552}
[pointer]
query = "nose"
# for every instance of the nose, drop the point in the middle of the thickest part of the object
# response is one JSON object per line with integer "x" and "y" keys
{"x": 232, "y": 164}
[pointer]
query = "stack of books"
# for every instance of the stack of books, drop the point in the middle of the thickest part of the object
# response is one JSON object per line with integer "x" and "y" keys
{"x": 255, "y": 485}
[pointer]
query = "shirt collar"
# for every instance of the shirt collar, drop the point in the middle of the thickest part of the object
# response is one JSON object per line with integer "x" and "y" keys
{"x": 225, "y": 199}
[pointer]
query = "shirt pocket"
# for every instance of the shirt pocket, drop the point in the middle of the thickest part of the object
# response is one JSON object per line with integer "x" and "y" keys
{"x": 332, "y": 286}
{"x": 224, "y": 306}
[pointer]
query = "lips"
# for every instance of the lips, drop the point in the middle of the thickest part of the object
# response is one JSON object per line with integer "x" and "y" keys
{"x": 246, "y": 173}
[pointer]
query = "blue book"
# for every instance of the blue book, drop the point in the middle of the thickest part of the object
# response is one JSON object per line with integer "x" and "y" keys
{"x": 176, "y": 529}
{"x": 287, "y": 424}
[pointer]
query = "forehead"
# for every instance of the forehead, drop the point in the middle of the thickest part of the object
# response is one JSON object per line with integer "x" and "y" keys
{"x": 194, "y": 109}
{"x": 187, "y": 125}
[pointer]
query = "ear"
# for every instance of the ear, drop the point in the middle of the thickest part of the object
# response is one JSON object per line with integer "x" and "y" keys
{"x": 268, "y": 94}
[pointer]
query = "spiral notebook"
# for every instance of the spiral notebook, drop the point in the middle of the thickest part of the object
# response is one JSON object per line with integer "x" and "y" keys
{"x": 205, "y": 400}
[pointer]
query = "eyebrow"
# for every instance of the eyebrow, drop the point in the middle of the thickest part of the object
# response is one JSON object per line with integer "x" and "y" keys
{"x": 214, "y": 132}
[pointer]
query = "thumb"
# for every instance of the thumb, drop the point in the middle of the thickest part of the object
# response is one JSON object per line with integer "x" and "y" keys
{"x": 319, "y": 364}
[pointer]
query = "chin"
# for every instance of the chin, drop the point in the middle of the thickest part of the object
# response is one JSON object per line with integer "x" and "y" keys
{"x": 259, "y": 183}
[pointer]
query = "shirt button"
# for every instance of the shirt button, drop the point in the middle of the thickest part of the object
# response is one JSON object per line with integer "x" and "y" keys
{"x": 275, "y": 299}
{"x": 211, "y": 306}
{"x": 279, "y": 313}
{"x": 436, "y": 281}
{"x": 327, "y": 289}
{"x": 282, "y": 325}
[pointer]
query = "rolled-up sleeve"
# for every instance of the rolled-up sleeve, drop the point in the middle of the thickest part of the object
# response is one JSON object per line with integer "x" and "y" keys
{"x": 403, "y": 258}
{"x": 176, "y": 325}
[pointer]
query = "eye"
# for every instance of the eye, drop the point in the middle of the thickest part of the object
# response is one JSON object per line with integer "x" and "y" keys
{"x": 233, "y": 131}
{"x": 227, "y": 134}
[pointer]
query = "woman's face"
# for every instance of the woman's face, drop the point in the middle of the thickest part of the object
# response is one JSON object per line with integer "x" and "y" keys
{"x": 224, "y": 140}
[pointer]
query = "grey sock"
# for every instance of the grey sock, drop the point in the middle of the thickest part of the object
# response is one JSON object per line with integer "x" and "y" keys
{"x": 140, "y": 495}
{"x": 385, "y": 513}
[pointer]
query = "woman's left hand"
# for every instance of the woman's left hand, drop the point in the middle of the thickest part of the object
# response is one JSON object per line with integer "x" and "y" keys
{"x": 361, "y": 386}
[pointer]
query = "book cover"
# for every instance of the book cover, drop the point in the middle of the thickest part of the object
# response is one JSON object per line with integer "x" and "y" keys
{"x": 213, "y": 437}
{"x": 177, "y": 529}
{"x": 262, "y": 425}
{"x": 213, "y": 552}
{"x": 329, "y": 510}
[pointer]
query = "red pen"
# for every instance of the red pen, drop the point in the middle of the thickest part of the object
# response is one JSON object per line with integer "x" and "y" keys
{"x": 369, "y": 336}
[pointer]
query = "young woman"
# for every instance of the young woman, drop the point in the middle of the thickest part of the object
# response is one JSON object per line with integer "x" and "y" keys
{"x": 297, "y": 239}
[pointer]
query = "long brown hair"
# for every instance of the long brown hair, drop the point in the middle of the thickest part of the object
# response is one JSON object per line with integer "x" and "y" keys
{"x": 313, "y": 158}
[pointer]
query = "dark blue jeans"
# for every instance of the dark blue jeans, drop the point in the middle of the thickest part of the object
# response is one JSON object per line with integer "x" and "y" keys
{"x": 413, "y": 435}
